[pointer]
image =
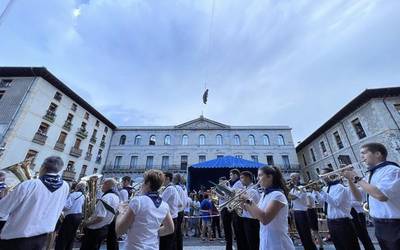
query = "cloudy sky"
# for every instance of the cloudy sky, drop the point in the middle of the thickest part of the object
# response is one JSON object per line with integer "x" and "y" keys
{"x": 146, "y": 62}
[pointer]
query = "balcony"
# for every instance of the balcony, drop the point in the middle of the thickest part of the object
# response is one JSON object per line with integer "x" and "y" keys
{"x": 76, "y": 152}
{"x": 126, "y": 169}
{"x": 67, "y": 125}
{"x": 88, "y": 156}
{"x": 59, "y": 146}
{"x": 39, "y": 138}
{"x": 93, "y": 139}
{"x": 68, "y": 175}
{"x": 50, "y": 116}
{"x": 98, "y": 160}
{"x": 102, "y": 144}
{"x": 293, "y": 168}
{"x": 82, "y": 133}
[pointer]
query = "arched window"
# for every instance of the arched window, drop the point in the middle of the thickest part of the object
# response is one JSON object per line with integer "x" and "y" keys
{"x": 266, "y": 139}
{"x": 167, "y": 140}
{"x": 122, "y": 140}
{"x": 219, "y": 140}
{"x": 202, "y": 139}
{"x": 252, "y": 140}
{"x": 152, "y": 140}
{"x": 138, "y": 139}
{"x": 281, "y": 140}
{"x": 185, "y": 140}
{"x": 236, "y": 140}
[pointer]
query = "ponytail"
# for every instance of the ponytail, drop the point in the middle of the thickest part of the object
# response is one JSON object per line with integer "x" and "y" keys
{"x": 277, "y": 179}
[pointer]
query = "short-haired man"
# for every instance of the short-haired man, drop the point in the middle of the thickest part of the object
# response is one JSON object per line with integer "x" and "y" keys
{"x": 251, "y": 226}
{"x": 237, "y": 221}
{"x": 34, "y": 208}
{"x": 97, "y": 226}
{"x": 177, "y": 179}
{"x": 383, "y": 188}
{"x": 126, "y": 190}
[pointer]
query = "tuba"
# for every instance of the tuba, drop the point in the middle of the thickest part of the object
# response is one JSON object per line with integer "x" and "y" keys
{"x": 20, "y": 172}
{"x": 92, "y": 181}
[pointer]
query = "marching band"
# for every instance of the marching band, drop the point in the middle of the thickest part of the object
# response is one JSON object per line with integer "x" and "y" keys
{"x": 151, "y": 215}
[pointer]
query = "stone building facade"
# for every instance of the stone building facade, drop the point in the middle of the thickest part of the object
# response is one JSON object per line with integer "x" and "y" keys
{"x": 40, "y": 116}
{"x": 373, "y": 116}
{"x": 175, "y": 148}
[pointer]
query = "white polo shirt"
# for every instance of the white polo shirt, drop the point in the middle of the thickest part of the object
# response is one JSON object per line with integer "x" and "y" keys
{"x": 182, "y": 197}
{"x": 143, "y": 233}
{"x": 74, "y": 203}
{"x": 123, "y": 195}
{"x": 387, "y": 180}
{"x": 100, "y": 211}
{"x": 171, "y": 197}
{"x": 33, "y": 209}
{"x": 300, "y": 203}
{"x": 253, "y": 195}
{"x": 237, "y": 185}
{"x": 338, "y": 199}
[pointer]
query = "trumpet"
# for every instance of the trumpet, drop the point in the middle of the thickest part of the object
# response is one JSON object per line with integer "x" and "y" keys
{"x": 335, "y": 172}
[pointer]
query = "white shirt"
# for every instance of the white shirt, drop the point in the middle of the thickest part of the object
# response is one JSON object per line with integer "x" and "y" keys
{"x": 105, "y": 215}
{"x": 182, "y": 198}
{"x": 311, "y": 200}
{"x": 299, "y": 204}
{"x": 387, "y": 180}
{"x": 143, "y": 233}
{"x": 74, "y": 203}
{"x": 171, "y": 197}
{"x": 33, "y": 209}
{"x": 274, "y": 235}
{"x": 358, "y": 206}
{"x": 123, "y": 195}
{"x": 237, "y": 185}
{"x": 338, "y": 199}
{"x": 254, "y": 196}
{"x": 196, "y": 207}
{"x": 188, "y": 205}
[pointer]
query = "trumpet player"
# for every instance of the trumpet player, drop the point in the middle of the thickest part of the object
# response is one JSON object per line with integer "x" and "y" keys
{"x": 337, "y": 199}
{"x": 299, "y": 207}
{"x": 382, "y": 187}
{"x": 251, "y": 226}
{"x": 237, "y": 221}
{"x": 126, "y": 190}
{"x": 72, "y": 218}
{"x": 34, "y": 207}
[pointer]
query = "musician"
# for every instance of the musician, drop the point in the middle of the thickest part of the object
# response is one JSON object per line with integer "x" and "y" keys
{"x": 171, "y": 197}
{"x": 126, "y": 190}
{"x": 142, "y": 218}
{"x": 360, "y": 223}
{"x": 3, "y": 193}
{"x": 237, "y": 221}
{"x": 97, "y": 226}
{"x": 34, "y": 207}
{"x": 382, "y": 187}
{"x": 299, "y": 203}
{"x": 251, "y": 226}
{"x": 72, "y": 218}
{"x": 312, "y": 214}
{"x": 272, "y": 210}
{"x": 178, "y": 182}
{"x": 337, "y": 199}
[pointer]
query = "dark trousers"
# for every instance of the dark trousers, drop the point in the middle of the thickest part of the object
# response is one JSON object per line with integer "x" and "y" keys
{"x": 66, "y": 235}
{"x": 388, "y": 233}
{"x": 179, "y": 239}
{"x": 239, "y": 231}
{"x": 112, "y": 241}
{"x": 93, "y": 238}
{"x": 32, "y": 243}
{"x": 227, "y": 223}
{"x": 343, "y": 234}
{"x": 2, "y": 223}
{"x": 252, "y": 233}
{"x": 215, "y": 226}
{"x": 303, "y": 228}
{"x": 360, "y": 225}
{"x": 168, "y": 242}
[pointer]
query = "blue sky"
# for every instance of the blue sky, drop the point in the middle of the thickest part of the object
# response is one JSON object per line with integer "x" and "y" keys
{"x": 271, "y": 62}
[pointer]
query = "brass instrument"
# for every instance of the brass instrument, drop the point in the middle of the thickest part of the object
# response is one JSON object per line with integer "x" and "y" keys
{"x": 20, "y": 172}
{"x": 366, "y": 207}
{"x": 335, "y": 172}
{"x": 136, "y": 189}
{"x": 92, "y": 181}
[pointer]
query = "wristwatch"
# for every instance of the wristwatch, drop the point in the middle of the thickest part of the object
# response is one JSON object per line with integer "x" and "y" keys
{"x": 356, "y": 179}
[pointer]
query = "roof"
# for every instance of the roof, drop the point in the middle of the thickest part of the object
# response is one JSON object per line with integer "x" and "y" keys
{"x": 228, "y": 162}
{"x": 53, "y": 80}
{"x": 354, "y": 104}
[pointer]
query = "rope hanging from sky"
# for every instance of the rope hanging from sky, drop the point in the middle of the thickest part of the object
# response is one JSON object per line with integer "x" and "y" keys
{"x": 5, "y": 11}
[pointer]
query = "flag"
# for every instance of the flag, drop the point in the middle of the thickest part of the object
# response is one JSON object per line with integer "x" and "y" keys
{"x": 205, "y": 96}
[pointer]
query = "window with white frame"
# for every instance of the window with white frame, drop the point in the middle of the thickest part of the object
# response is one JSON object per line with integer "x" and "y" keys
{"x": 266, "y": 140}
{"x": 167, "y": 140}
{"x": 202, "y": 139}
{"x": 185, "y": 140}
{"x": 252, "y": 140}
{"x": 281, "y": 140}
{"x": 138, "y": 139}
{"x": 236, "y": 140}
{"x": 134, "y": 161}
{"x": 117, "y": 161}
{"x": 219, "y": 140}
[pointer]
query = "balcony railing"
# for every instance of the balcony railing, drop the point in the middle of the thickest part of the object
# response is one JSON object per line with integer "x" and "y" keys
{"x": 59, "y": 146}
{"x": 67, "y": 125}
{"x": 68, "y": 175}
{"x": 93, "y": 139}
{"x": 50, "y": 116}
{"x": 39, "y": 138}
{"x": 98, "y": 160}
{"x": 88, "y": 156}
{"x": 82, "y": 133}
{"x": 102, "y": 144}
{"x": 76, "y": 152}
{"x": 140, "y": 169}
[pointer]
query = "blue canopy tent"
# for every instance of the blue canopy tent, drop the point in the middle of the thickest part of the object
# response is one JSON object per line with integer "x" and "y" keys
{"x": 200, "y": 173}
